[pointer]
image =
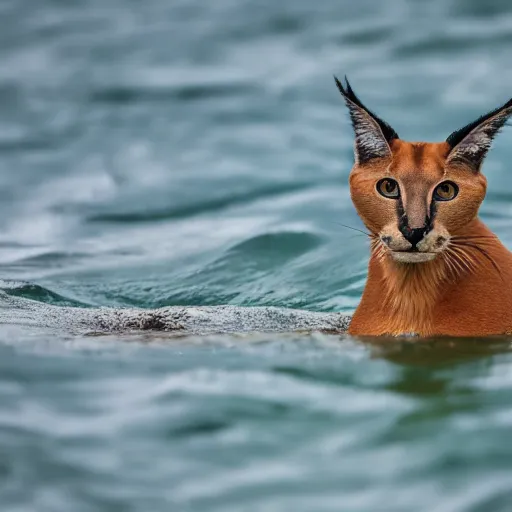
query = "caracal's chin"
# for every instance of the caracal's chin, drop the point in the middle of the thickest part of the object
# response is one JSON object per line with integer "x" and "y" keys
{"x": 412, "y": 257}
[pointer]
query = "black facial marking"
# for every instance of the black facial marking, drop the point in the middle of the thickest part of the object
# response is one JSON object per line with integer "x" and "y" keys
{"x": 433, "y": 211}
{"x": 414, "y": 235}
{"x": 440, "y": 241}
{"x": 403, "y": 221}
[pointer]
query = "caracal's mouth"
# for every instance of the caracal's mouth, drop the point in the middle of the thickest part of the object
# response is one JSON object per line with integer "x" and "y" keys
{"x": 412, "y": 256}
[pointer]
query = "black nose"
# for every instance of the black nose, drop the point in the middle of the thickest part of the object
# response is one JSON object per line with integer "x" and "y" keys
{"x": 414, "y": 236}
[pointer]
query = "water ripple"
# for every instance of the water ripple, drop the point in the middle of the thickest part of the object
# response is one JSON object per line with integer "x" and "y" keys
{"x": 124, "y": 94}
{"x": 187, "y": 152}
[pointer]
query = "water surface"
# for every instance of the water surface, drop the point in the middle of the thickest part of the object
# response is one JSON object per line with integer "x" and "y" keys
{"x": 197, "y": 153}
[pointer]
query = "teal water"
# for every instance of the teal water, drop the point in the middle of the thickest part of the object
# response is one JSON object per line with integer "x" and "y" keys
{"x": 197, "y": 153}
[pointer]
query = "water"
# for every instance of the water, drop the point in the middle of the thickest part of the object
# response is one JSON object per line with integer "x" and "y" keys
{"x": 196, "y": 153}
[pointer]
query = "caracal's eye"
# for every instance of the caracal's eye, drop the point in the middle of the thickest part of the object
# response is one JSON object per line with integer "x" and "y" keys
{"x": 446, "y": 191}
{"x": 388, "y": 188}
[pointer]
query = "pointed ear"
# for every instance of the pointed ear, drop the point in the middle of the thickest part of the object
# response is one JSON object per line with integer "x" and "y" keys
{"x": 373, "y": 135}
{"x": 470, "y": 144}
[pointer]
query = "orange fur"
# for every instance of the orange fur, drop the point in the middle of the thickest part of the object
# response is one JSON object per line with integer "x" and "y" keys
{"x": 439, "y": 297}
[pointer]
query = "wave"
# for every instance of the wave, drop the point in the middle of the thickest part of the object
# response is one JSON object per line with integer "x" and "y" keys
{"x": 179, "y": 320}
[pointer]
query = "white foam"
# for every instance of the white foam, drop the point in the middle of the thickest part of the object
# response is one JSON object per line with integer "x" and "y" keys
{"x": 180, "y": 320}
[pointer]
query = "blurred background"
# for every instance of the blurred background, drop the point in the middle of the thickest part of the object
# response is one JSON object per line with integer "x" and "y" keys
{"x": 188, "y": 152}
{"x": 182, "y": 152}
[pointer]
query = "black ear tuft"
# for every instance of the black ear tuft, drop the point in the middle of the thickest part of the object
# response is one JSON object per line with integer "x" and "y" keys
{"x": 372, "y": 133}
{"x": 471, "y": 143}
{"x": 458, "y": 135}
{"x": 349, "y": 94}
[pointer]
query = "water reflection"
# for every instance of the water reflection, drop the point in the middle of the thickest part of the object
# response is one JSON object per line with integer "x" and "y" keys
{"x": 437, "y": 351}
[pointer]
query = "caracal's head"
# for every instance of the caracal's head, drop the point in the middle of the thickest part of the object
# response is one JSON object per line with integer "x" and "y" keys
{"x": 415, "y": 196}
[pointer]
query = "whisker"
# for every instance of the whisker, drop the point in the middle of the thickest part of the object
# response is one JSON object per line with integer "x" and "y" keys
{"x": 451, "y": 259}
{"x": 470, "y": 237}
{"x": 465, "y": 258}
{"x": 475, "y": 239}
{"x": 381, "y": 254}
{"x": 378, "y": 248}
{"x": 354, "y": 229}
{"x": 488, "y": 256}
{"x": 460, "y": 260}
{"x": 449, "y": 263}
{"x": 484, "y": 253}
